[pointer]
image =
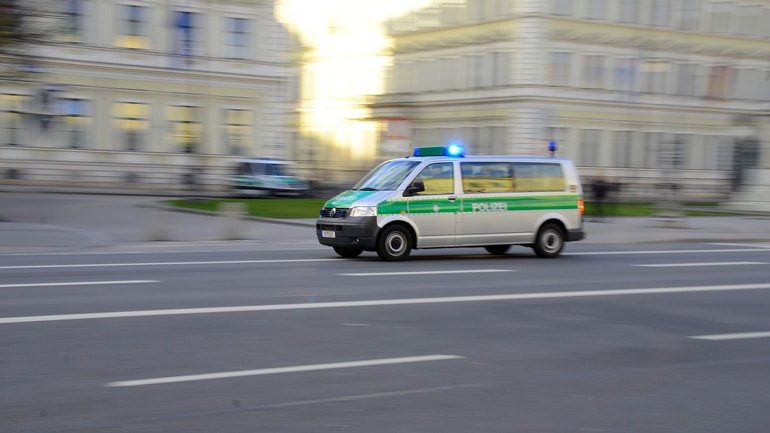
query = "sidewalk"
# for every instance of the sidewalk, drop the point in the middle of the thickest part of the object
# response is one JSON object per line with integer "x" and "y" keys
{"x": 51, "y": 222}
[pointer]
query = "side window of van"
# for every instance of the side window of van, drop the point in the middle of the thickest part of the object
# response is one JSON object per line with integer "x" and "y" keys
{"x": 489, "y": 177}
{"x": 538, "y": 176}
{"x": 438, "y": 179}
{"x": 243, "y": 169}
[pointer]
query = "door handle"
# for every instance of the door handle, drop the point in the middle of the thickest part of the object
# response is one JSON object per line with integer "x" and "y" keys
{"x": 452, "y": 198}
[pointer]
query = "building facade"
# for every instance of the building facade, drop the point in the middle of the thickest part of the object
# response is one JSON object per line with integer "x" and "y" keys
{"x": 663, "y": 97}
{"x": 154, "y": 95}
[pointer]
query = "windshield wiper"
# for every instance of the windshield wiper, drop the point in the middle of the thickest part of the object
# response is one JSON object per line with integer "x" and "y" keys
{"x": 368, "y": 189}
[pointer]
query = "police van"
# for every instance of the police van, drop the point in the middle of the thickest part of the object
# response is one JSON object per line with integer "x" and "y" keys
{"x": 440, "y": 198}
{"x": 267, "y": 177}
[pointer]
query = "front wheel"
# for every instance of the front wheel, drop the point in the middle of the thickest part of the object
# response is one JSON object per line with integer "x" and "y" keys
{"x": 549, "y": 241}
{"x": 394, "y": 243}
{"x": 348, "y": 253}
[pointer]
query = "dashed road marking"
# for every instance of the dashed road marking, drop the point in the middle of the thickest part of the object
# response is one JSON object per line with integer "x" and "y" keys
{"x": 383, "y": 302}
{"x": 281, "y": 370}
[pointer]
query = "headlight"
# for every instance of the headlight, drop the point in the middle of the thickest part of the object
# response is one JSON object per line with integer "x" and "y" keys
{"x": 363, "y": 211}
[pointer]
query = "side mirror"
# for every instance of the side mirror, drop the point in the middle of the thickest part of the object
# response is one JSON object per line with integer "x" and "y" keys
{"x": 414, "y": 188}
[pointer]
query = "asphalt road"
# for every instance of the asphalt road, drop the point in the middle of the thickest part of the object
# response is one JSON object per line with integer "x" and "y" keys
{"x": 607, "y": 338}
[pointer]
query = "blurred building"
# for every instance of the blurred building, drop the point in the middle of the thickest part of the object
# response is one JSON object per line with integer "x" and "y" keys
{"x": 151, "y": 95}
{"x": 668, "y": 97}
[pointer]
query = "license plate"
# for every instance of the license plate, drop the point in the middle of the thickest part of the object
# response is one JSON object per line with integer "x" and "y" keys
{"x": 328, "y": 234}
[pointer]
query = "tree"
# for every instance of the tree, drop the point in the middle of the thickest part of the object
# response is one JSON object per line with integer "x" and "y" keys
{"x": 25, "y": 24}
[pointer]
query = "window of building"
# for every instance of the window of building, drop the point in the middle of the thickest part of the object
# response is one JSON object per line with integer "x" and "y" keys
{"x": 656, "y": 76}
{"x": 651, "y": 143}
{"x": 503, "y": 8}
{"x": 719, "y": 82}
{"x": 133, "y": 32}
{"x": 186, "y": 35}
{"x": 73, "y": 29}
{"x": 660, "y": 13}
{"x": 132, "y": 123}
{"x": 589, "y": 148}
{"x": 11, "y": 120}
{"x": 452, "y": 14}
{"x": 720, "y": 14}
{"x": 501, "y": 69}
{"x": 639, "y": 150}
{"x": 237, "y": 38}
{"x": 594, "y": 72}
{"x": 725, "y": 152}
{"x": 562, "y": 7}
{"x": 690, "y": 16}
{"x": 766, "y": 19}
{"x": 597, "y": 9}
{"x": 750, "y": 20}
{"x": 669, "y": 148}
{"x": 748, "y": 84}
{"x": 626, "y": 74}
{"x": 184, "y": 132}
{"x": 559, "y": 69}
{"x": 621, "y": 149}
{"x": 686, "y": 79}
{"x": 629, "y": 11}
{"x": 238, "y": 130}
{"x": 76, "y": 119}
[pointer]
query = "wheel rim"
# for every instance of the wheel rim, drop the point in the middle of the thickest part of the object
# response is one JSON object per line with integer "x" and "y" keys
{"x": 551, "y": 241}
{"x": 395, "y": 243}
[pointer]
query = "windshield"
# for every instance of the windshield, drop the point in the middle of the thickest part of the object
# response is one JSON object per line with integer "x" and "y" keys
{"x": 277, "y": 170}
{"x": 387, "y": 176}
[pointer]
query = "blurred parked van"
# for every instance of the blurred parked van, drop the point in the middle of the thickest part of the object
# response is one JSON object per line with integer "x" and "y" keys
{"x": 263, "y": 177}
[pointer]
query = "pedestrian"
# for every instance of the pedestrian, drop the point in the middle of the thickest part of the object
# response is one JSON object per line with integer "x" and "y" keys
{"x": 599, "y": 188}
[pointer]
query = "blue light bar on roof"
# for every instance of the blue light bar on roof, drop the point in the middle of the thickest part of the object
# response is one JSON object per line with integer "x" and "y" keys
{"x": 451, "y": 150}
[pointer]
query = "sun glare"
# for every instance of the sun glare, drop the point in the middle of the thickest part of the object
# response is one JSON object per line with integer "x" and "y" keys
{"x": 346, "y": 60}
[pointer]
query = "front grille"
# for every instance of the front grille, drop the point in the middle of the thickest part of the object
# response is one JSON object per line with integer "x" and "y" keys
{"x": 329, "y": 227}
{"x": 330, "y": 212}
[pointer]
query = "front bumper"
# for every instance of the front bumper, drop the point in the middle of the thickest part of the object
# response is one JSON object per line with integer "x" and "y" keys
{"x": 575, "y": 235}
{"x": 352, "y": 232}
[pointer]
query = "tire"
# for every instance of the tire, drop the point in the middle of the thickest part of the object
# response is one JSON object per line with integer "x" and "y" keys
{"x": 549, "y": 241}
{"x": 394, "y": 243}
{"x": 497, "y": 250}
{"x": 348, "y": 252}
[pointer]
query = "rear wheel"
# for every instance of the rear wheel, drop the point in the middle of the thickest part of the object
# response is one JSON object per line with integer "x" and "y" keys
{"x": 394, "y": 243}
{"x": 549, "y": 241}
{"x": 497, "y": 249}
{"x": 348, "y": 252}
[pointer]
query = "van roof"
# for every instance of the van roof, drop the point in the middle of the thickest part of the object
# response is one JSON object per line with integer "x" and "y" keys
{"x": 491, "y": 158}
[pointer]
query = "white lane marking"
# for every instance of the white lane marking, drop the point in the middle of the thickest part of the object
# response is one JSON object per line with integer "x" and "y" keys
{"x": 736, "y": 336}
{"x": 280, "y": 370}
{"x": 381, "y": 302}
{"x": 747, "y": 244}
{"x": 224, "y": 262}
{"x": 76, "y": 283}
{"x": 675, "y": 265}
{"x": 727, "y": 250}
{"x": 456, "y": 271}
{"x": 269, "y": 261}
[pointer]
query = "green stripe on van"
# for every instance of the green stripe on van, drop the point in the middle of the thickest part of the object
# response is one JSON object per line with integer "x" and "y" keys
{"x": 479, "y": 203}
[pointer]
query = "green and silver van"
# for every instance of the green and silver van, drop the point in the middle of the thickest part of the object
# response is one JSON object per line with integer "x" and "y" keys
{"x": 267, "y": 177}
{"x": 440, "y": 198}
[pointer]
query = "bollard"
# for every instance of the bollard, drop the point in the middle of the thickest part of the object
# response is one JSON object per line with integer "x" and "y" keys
{"x": 231, "y": 215}
{"x": 159, "y": 228}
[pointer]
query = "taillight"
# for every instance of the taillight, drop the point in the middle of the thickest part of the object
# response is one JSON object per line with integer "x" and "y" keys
{"x": 581, "y": 206}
